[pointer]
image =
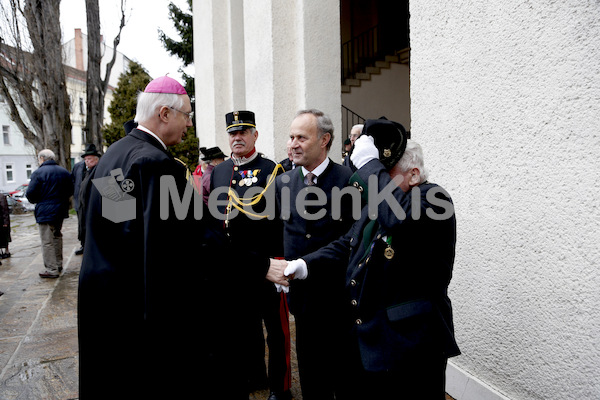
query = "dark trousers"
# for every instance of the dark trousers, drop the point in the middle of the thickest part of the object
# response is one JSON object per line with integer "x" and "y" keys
{"x": 423, "y": 378}
{"x": 271, "y": 309}
{"x": 320, "y": 356}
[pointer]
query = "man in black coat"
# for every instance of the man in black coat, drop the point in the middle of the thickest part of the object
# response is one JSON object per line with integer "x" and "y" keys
{"x": 238, "y": 184}
{"x": 50, "y": 189}
{"x": 80, "y": 171}
{"x": 400, "y": 257}
{"x": 154, "y": 311}
{"x": 316, "y": 302}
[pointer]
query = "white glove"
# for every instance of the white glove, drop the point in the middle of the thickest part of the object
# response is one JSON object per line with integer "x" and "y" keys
{"x": 298, "y": 268}
{"x": 286, "y": 289}
{"x": 364, "y": 151}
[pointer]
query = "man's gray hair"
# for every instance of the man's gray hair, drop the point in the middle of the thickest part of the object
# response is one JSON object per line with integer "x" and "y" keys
{"x": 324, "y": 124}
{"x": 413, "y": 158}
{"x": 149, "y": 104}
{"x": 46, "y": 155}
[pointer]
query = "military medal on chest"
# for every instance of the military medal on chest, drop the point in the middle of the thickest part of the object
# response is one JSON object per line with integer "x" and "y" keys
{"x": 248, "y": 177}
{"x": 388, "y": 252}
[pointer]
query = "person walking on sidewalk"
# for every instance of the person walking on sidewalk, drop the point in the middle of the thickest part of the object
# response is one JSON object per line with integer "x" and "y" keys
{"x": 50, "y": 189}
{"x": 4, "y": 227}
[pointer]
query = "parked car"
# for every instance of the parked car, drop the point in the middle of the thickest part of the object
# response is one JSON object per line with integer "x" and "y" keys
{"x": 21, "y": 188}
{"x": 19, "y": 203}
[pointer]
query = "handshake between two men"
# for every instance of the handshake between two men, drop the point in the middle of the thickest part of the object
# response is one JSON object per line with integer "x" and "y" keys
{"x": 281, "y": 272}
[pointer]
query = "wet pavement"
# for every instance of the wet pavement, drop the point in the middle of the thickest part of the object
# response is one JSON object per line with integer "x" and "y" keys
{"x": 38, "y": 320}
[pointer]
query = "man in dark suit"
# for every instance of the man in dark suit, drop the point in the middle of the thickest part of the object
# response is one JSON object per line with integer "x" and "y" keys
{"x": 355, "y": 132}
{"x": 400, "y": 263}
{"x": 80, "y": 171}
{"x": 288, "y": 162}
{"x": 236, "y": 183}
{"x": 147, "y": 271}
{"x": 317, "y": 301}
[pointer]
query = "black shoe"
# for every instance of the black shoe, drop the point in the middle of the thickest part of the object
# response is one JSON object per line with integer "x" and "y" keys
{"x": 287, "y": 395}
{"x": 48, "y": 275}
{"x": 79, "y": 251}
{"x": 5, "y": 255}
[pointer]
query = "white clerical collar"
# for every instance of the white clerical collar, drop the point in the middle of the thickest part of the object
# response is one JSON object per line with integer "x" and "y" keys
{"x": 319, "y": 170}
{"x": 244, "y": 160}
{"x": 149, "y": 132}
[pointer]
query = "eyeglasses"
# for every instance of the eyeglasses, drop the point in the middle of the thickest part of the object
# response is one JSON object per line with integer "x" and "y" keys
{"x": 188, "y": 115}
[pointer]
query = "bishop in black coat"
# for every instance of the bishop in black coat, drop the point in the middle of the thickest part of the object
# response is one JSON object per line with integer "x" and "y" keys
{"x": 153, "y": 309}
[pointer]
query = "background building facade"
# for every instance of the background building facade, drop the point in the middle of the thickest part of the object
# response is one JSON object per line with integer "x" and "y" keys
{"x": 17, "y": 156}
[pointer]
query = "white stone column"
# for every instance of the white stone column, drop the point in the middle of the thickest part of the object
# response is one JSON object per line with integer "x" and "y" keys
{"x": 292, "y": 62}
{"x": 270, "y": 57}
{"x": 215, "y": 72}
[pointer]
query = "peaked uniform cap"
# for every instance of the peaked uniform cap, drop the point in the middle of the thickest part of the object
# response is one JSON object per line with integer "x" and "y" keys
{"x": 239, "y": 120}
{"x": 164, "y": 84}
{"x": 389, "y": 137}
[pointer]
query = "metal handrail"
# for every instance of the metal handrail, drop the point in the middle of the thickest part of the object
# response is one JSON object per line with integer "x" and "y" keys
{"x": 349, "y": 119}
{"x": 360, "y": 52}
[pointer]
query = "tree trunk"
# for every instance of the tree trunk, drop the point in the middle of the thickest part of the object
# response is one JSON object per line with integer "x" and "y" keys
{"x": 33, "y": 84}
{"x": 96, "y": 87}
{"x": 47, "y": 64}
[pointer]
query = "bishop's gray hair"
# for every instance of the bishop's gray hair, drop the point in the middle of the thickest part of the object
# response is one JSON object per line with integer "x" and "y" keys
{"x": 149, "y": 104}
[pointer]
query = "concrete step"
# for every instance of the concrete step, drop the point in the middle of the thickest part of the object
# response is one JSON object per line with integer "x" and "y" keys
{"x": 382, "y": 64}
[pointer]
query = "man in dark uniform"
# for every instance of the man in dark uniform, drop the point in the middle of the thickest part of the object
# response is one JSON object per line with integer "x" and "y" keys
{"x": 238, "y": 184}
{"x": 317, "y": 301}
{"x": 153, "y": 310}
{"x": 400, "y": 333}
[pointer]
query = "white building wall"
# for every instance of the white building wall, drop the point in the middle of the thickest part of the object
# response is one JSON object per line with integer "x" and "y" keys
{"x": 17, "y": 157}
{"x": 506, "y": 103}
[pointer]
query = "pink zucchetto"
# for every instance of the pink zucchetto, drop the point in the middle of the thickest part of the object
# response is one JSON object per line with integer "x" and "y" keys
{"x": 164, "y": 84}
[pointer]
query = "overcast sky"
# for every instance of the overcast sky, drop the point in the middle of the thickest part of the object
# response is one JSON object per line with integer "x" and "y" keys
{"x": 139, "y": 39}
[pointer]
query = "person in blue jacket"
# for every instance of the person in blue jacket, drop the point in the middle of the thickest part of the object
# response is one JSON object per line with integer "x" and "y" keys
{"x": 50, "y": 189}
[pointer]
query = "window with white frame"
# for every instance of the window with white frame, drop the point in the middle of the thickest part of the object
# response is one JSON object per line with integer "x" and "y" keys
{"x": 6, "y": 134}
{"x": 10, "y": 176}
{"x": 28, "y": 170}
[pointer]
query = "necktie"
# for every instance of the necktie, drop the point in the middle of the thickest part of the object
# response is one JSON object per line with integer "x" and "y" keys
{"x": 310, "y": 179}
